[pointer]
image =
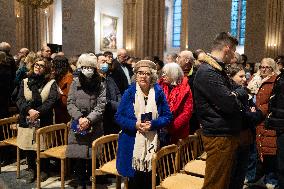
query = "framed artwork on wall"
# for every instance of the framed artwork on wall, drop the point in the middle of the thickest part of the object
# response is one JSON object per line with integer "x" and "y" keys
{"x": 108, "y": 33}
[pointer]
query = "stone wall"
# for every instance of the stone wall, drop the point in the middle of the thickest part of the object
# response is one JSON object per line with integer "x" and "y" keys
{"x": 8, "y": 23}
{"x": 78, "y": 26}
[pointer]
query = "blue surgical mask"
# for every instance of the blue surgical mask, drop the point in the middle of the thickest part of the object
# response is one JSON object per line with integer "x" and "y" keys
{"x": 104, "y": 67}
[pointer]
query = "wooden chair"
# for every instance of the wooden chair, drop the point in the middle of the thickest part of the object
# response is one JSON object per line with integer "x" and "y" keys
{"x": 201, "y": 154}
{"x": 104, "y": 150}
{"x": 165, "y": 171}
{"x": 53, "y": 139}
{"x": 9, "y": 127}
{"x": 187, "y": 159}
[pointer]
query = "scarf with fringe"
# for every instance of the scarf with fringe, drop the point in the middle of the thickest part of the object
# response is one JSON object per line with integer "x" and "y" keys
{"x": 146, "y": 144}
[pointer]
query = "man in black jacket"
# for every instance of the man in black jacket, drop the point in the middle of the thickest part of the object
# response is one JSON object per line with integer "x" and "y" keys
{"x": 122, "y": 72}
{"x": 219, "y": 111}
{"x": 275, "y": 119}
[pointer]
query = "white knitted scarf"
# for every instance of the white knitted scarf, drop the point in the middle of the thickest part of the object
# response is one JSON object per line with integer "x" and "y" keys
{"x": 146, "y": 144}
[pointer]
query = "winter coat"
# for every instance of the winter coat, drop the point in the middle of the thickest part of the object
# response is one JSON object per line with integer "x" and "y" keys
{"x": 113, "y": 99}
{"x": 49, "y": 95}
{"x": 218, "y": 109}
{"x": 181, "y": 106}
{"x": 125, "y": 117}
{"x": 119, "y": 76}
{"x": 85, "y": 104}
{"x": 275, "y": 119}
{"x": 265, "y": 139}
{"x": 6, "y": 86}
{"x": 60, "y": 109}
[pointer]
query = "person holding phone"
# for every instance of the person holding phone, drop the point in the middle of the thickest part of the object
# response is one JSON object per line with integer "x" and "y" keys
{"x": 143, "y": 111}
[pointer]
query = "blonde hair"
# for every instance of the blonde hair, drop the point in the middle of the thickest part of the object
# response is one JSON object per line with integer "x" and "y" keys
{"x": 271, "y": 63}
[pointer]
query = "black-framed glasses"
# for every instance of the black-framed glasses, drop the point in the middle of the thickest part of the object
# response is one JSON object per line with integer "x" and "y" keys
{"x": 42, "y": 66}
{"x": 265, "y": 67}
{"x": 142, "y": 73}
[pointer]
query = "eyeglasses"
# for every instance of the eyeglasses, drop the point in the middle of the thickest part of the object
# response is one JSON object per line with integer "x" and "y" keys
{"x": 42, "y": 66}
{"x": 265, "y": 67}
{"x": 141, "y": 73}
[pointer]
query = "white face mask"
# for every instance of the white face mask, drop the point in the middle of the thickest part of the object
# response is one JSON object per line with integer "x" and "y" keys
{"x": 88, "y": 72}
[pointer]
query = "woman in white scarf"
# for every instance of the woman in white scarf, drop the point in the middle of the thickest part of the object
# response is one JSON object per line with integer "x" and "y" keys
{"x": 143, "y": 111}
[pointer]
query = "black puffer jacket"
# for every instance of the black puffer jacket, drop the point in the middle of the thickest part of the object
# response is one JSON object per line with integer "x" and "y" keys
{"x": 218, "y": 109}
{"x": 275, "y": 118}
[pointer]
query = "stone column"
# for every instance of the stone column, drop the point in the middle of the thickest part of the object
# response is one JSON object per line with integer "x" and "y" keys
{"x": 78, "y": 30}
{"x": 206, "y": 19}
{"x": 8, "y": 23}
{"x": 264, "y": 29}
{"x": 184, "y": 25}
{"x": 144, "y": 27}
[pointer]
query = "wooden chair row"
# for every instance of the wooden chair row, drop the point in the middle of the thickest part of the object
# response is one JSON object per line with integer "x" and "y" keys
{"x": 169, "y": 166}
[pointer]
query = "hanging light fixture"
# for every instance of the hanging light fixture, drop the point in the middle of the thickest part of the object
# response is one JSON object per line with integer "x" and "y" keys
{"x": 36, "y": 3}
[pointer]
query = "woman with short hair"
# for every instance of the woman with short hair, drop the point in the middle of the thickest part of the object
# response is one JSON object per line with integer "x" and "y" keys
{"x": 177, "y": 90}
{"x": 142, "y": 112}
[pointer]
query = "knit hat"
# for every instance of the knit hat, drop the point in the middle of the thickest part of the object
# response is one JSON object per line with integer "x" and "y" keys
{"x": 145, "y": 63}
{"x": 88, "y": 60}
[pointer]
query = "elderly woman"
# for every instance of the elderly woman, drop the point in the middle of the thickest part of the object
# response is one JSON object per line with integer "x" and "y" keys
{"x": 85, "y": 104}
{"x": 37, "y": 96}
{"x": 176, "y": 88}
{"x": 142, "y": 112}
{"x": 261, "y": 85}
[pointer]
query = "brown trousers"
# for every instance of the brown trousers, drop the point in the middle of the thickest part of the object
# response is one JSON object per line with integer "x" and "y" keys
{"x": 220, "y": 156}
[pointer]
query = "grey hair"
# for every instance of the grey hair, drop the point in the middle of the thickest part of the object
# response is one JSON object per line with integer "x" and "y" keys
{"x": 153, "y": 76}
{"x": 173, "y": 71}
{"x": 271, "y": 63}
{"x": 6, "y": 47}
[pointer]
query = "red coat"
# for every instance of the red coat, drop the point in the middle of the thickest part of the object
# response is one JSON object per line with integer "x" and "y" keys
{"x": 265, "y": 139}
{"x": 181, "y": 105}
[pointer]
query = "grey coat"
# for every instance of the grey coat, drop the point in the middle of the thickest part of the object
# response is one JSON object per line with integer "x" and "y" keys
{"x": 81, "y": 104}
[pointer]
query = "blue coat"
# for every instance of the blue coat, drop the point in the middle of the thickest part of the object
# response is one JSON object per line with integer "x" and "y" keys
{"x": 126, "y": 119}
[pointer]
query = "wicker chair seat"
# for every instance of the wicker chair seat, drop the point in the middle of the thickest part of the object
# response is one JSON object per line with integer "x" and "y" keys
{"x": 110, "y": 167}
{"x": 11, "y": 141}
{"x": 203, "y": 156}
{"x": 182, "y": 181}
{"x": 58, "y": 152}
{"x": 195, "y": 167}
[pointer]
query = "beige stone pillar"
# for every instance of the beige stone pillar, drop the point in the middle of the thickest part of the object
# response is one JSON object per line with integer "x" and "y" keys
{"x": 144, "y": 27}
{"x": 7, "y": 23}
{"x": 264, "y": 29}
{"x": 184, "y": 25}
{"x": 78, "y": 26}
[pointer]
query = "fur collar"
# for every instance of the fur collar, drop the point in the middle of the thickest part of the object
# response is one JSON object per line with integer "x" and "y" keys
{"x": 212, "y": 62}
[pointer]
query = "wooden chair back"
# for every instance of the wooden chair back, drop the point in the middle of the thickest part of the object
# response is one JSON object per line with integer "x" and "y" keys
{"x": 52, "y": 136}
{"x": 8, "y": 128}
{"x": 187, "y": 150}
{"x": 104, "y": 149}
{"x": 200, "y": 147}
{"x": 164, "y": 164}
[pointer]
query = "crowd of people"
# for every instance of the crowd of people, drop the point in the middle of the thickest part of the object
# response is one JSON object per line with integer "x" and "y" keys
{"x": 237, "y": 106}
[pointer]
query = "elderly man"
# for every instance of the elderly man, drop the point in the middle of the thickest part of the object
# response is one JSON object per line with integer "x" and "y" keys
{"x": 23, "y": 52}
{"x": 46, "y": 52}
{"x": 219, "y": 111}
{"x": 122, "y": 72}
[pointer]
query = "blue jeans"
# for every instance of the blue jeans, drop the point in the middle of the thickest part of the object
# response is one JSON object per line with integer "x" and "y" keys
{"x": 239, "y": 167}
{"x": 280, "y": 158}
{"x": 252, "y": 162}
